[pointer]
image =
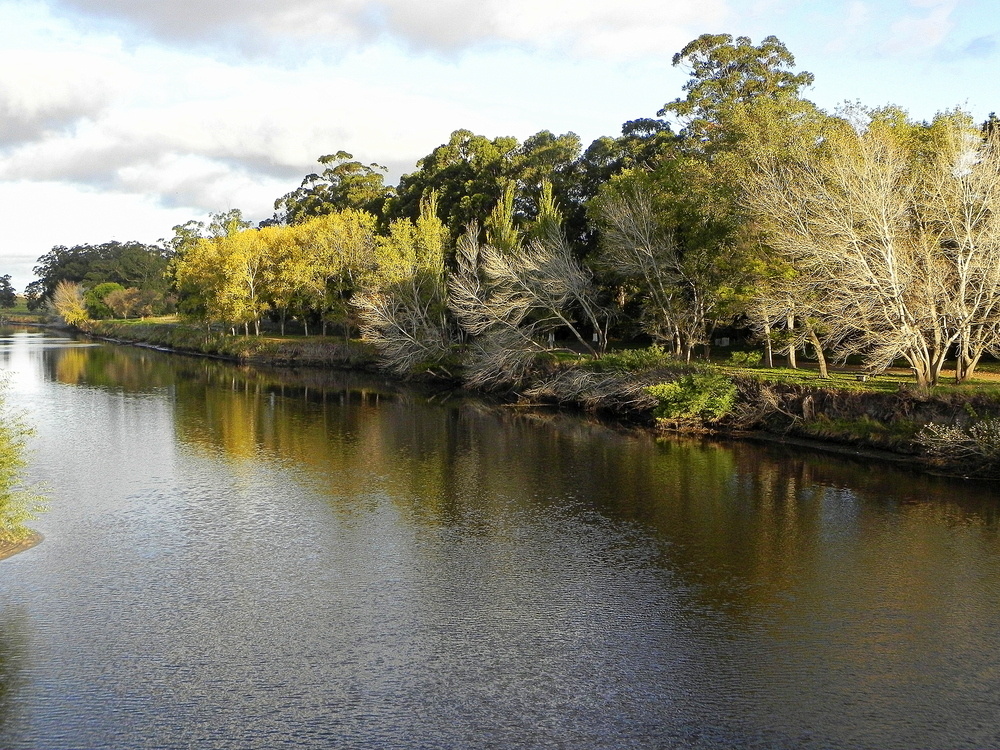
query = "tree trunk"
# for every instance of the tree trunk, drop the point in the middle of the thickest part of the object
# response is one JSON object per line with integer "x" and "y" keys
{"x": 790, "y": 325}
{"x": 768, "y": 349}
{"x": 820, "y": 357}
{"x": 965, "y": 366}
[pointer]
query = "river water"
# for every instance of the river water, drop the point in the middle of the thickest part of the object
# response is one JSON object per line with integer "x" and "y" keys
{"x": 239, "y": 558}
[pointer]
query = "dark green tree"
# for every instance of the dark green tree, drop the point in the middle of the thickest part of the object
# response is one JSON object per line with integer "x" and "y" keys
{"x": 470, "y": 174}
{"x": 467, "y": 175}
{"x": 991, "y": 126}
{"x": 644, "y": 142}
{"x": 34, "y": 295}
{"x": 726, "y": 73}
{"x": 344, "y": 184}
{"x": 8, "y": 297}
{"x": 131, "y": 264}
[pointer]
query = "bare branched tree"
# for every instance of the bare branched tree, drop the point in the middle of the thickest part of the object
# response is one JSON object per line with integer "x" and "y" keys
{"x": 595, "y": 390}
{"x": 960, "y": 206}
{"x": 407, "y": 323}
{"x": 677, "y": 307}
{"x": 893, "y": 243}
{"x": 404, "y": 306}
{"x": 508, "y": 301}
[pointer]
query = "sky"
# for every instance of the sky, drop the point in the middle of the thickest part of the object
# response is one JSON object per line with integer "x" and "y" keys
{"x": 120, "y": 119}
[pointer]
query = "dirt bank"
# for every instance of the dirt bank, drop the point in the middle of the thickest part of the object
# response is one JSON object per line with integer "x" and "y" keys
{"x": 8, "y": 549}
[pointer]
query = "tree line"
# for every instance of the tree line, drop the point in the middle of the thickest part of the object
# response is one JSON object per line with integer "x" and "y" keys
{"x": 854, "y": 233}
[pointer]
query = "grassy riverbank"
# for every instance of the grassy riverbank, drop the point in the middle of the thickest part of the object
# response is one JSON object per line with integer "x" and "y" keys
{"x": 646, "y": 387}
{"x": 301, "y": 351}
{"x": 20, "y": 314}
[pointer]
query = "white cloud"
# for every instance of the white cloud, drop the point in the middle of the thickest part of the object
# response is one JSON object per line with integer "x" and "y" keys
{"x": 918, "y": 34}
{"x": 39, "y": 215}
{"x": 625, "y": 29}
{"x": 856, "y": 20}
{"x": 49, "y": 80}
{"x": 110, "y": 133}
{"x": 141, "y": 113}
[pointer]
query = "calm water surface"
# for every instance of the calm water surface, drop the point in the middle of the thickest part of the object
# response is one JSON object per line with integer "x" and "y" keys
{"x": 247, "y": 559}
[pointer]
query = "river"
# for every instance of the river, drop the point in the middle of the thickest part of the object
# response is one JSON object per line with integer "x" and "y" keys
{"x": 241, "y": 558}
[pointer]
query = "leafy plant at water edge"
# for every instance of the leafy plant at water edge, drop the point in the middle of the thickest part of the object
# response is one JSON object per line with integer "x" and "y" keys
{"x": 706, "y": 397}
{"x": 18, "y": 504}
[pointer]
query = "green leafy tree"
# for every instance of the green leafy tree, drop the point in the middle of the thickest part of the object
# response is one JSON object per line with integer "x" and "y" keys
{"x": 467, "y": 175}
{"x": 726, "y": 73}
{"x": 470, "y": 174}
{"x": 94, "y": 299}
{"x": 286, "y": 274}
{"x": 546, "y": 161}
{"x": 341, "y": 250}
{"x": 644, "y": 142}
{"x": 195, "y": 270}
{"x": 8, "y": 297}
{"x": 344, "y": 184}
{"x": 227, "y": 223}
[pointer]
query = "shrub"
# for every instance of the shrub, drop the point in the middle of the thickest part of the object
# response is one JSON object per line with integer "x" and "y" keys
{"x": 974, "y": 448}
{"x": 745, "y": 359}
{"x": 633, "y": 360}
{"x": 704, "y": 397}
{"x": 95, "y": 300}
{"x": 18, "y": 504}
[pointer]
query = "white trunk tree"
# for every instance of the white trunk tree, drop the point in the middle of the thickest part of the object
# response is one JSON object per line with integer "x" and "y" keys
{"x": 892, "y": 231}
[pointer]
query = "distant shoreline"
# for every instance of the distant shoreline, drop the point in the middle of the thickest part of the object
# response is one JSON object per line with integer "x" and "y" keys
{"x": 8, "y": 549}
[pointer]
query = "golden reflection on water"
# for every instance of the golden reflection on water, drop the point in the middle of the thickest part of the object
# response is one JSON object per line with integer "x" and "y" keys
{"x": 750, "y": 525}
{"x": 852, "y": 578}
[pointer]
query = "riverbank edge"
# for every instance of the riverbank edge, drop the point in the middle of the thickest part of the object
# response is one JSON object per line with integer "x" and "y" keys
{"x": 9, "y": 549}
{"x": 877, "y": 425}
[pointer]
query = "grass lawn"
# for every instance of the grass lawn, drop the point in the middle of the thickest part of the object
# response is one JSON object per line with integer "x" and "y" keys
{"x": 20, "y": 311}
{"x": 986, "y": 380}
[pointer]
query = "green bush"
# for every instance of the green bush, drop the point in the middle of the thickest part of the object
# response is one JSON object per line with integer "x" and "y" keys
{"x": 94, "y": 298}
{"x": 634, "y": 360}
{"x": 745, "y": 359}
{"x": 705, "y": 397}
{"x": 18, "y": 504}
